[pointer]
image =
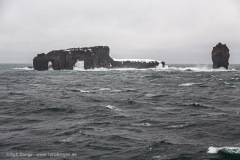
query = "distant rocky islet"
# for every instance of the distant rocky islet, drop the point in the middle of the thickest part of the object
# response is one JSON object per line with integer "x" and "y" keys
{"x": 98, "y": 57}
{"x": 93, "y": 57}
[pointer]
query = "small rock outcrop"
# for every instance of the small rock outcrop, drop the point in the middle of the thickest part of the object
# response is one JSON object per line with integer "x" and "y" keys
{"x": 138, "y": 64}
{"x": 93, "y": 57}
{"x": 220, "y": 56}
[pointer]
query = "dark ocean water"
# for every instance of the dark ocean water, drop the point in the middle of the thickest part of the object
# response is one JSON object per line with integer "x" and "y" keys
{"x": 185, "y": 112}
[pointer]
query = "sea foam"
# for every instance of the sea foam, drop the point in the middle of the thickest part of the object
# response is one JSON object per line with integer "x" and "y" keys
{"x": 24, "y": 68}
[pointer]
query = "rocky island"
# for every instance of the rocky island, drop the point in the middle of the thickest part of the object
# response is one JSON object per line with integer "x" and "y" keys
{"x": 91, "y": 57}
{"x": 220, "y": 56}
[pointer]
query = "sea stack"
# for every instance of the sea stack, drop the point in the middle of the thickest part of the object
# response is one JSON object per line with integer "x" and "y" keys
{"x": 89, "y": 58}
{"x": 220, "y": 56}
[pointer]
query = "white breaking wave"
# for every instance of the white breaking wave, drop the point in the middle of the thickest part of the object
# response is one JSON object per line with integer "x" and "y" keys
{"x": 200, "y": 69}
{"x": 109, "y": 106}
{"x": 231, "y": 150}
{"x": 113, "y": 108}
{"x": 50, "y": 66}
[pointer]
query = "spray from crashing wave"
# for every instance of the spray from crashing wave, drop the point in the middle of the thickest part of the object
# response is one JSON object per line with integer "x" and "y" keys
{"x": 79, "y": 65}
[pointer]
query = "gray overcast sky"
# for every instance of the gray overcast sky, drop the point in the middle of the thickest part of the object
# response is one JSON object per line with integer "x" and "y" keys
{"x": 176, "y": 31}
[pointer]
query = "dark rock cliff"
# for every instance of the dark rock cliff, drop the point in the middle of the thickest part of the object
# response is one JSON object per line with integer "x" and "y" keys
{"x": 93, "y": 57}
{"x": 220, "y": 56}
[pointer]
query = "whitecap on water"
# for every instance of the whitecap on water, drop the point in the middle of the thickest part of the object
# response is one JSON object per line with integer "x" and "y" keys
{"x": 177, "y": 126}
{"x": 150, "y": 95}
{"x": 189, "y": 84}
{"x": 104, "y": 89}
{"x": 142, "y": 124}
{"x": 116, "y": 90}
{"x": 109, "y": 106}
{"x": 230, "y": 150}
{"x": 227, "y": 83}
{"x": 66, "y": 140}
{"x": 113, "y": 108}
{"x": 83, "y": 91}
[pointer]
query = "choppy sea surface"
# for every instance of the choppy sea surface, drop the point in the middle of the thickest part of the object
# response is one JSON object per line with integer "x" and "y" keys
{"x": 182, "y": 112}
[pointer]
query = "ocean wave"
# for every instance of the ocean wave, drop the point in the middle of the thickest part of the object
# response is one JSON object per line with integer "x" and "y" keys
{"x": 176, "y": 126}
{"x": 104, "y": 89}
{"x": 232, "y": 153}
{"x": 55, "y": 109}
{"x": 150, "y": 95}
{"x": 189, "y": 84}
{"x": 24, "y": 68}
{"x": 130, "y": 90}
{"x": 84, "y": 91}
{"x": 95, "y": 90}
{"x": 234, "y": 79}
{"x": 69, "y": 139}
{"x": 142, "y": 124}
{"x": 79, "y": 90}
{"x": 112, "y": 107}
{"x": 116, "y": 90}
{"x": 230, "y": 150}
{"x": 198, "y": 105}
{"x": 200, "y": 69}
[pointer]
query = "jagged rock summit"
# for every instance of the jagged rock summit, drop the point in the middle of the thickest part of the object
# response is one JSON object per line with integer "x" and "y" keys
{"x": 92, "y": 57}
{"x": 220, "y": 56}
